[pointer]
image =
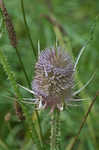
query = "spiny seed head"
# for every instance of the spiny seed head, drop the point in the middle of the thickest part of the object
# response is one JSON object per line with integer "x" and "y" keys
{"x": 9, "y": 25}
{"x": 53, "y": 79}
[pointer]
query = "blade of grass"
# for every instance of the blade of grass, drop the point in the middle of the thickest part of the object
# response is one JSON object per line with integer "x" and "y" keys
{"x": 22, "y": 66}
{"x": 27, "y": 29}
{"x": 3, "y": 145}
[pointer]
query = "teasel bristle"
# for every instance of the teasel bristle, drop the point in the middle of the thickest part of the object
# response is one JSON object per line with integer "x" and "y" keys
{"x": 53, "y": 84}
{"x": 9, "y": 25}
{"x": 53, "y": 80}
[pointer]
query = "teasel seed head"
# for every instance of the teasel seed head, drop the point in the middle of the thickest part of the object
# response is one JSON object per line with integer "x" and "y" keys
{"x": 53, "y": 79}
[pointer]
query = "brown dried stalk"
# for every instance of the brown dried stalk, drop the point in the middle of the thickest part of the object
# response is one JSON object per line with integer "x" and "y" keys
{"x": 84, "y": 121}
{"x": 54, "y": 22}
{"x": 9, "y": 25}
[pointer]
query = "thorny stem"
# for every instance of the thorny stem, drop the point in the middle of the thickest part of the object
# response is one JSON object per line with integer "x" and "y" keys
{"x": 54, "y": 22}
{"x": 27, "y": 29}
{"x": 11, "y": 77}
{"x": 52, "y": 142}
{"x": 55, "y": 131}
{"x": 83, "y": 121}
{"x": 58, "y": 131}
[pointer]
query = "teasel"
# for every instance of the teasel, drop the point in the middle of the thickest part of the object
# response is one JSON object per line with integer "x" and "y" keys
{"x": 9, "y": 25}
{"x": 53, "y": 82}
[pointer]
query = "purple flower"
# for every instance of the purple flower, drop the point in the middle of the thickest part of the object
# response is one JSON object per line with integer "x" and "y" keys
{"x": 53, "y": 79}
{"x": 53, "y": 82}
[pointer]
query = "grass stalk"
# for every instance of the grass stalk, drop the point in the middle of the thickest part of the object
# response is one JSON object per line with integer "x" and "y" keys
{"x": 27, "y": 29}
{"x": 22, "y": 66}
{"x": 38, "y": 127}
{"x": 83, "y": 121}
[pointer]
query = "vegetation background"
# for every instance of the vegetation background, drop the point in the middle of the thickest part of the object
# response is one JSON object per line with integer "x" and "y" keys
{"x": 76, "y": 17}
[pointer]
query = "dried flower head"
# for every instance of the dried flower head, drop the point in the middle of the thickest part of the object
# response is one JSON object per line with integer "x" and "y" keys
{"x": 53, "y": 82}
{"x": 18, "y": 110}
{"x": 53, "y": 79}
{"x": 9, "y": 25}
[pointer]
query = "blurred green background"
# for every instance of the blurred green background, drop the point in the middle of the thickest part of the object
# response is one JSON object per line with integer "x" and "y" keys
{"x": 76, "y": 18}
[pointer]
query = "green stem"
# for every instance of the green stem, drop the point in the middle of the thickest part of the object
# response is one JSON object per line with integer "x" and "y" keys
{"x": 3, "y": 145}
{"x": 38, "y": 127}
{"x": 34, "y": 52}
{"x": 52, "y": 142}
{"x": 55, "y": 131}
{"x": 35, "y": 137}
{"x": 11, "y": 77}
{"x": 35, "y": 112}
{"x": 22, "y": 65}
{"x": 58, "y": 131}
{"x": 27, "y": 29}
